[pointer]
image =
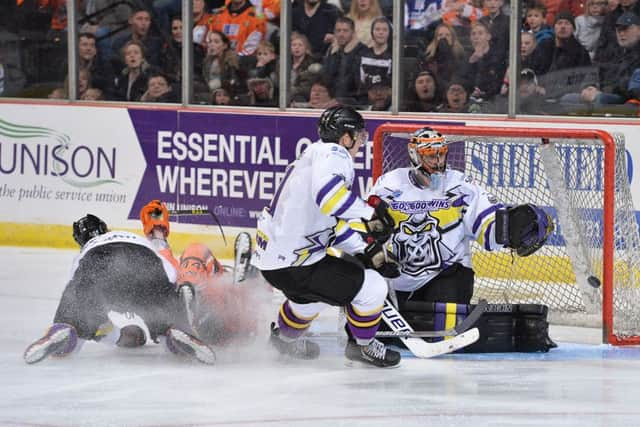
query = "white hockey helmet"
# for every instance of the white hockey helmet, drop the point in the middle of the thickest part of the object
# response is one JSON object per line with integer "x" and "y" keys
{"x": 426, "y": 149}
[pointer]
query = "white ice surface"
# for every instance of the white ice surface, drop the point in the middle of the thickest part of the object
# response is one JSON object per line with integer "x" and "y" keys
{"x": 577, "y": 384}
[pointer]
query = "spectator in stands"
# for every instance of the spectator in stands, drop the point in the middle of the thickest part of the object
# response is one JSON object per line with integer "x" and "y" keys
{"x": 498, "y": 25}
{"x": 159, "y": 89}
{"x": 139, "y": 31}
{"x": 221, "y": 96}
{"x": 171, "y": 57}
{"x": 485, "y": 67}
{"x": 239, "y": 22}
{"x": 444, "y": 55}
{"x": 533, "y": 56}
{"x": 614, "y": 78}
{"x": 262, "y": 92}
{"x": 221, "y": 64}
{"x": 570, "y": 62}
{"x": 531, "y": 96}
{"x": 304, "y": 67}
{"x": 608, "y": 48}
{"x": 457, "y": 98}
{"x": 567, "y": 51}
{"x": 164, "y": 10}
{"x": 266, "y": 63}
{"x": 363, "y": 12}
{"x": 376, "y": 60}
{"x": 536, "y": 23}
{"x": 589, "y": 24}
{"x": 341, "y": 64}
{"x": 315, "y": 19}
{"x": 321, "y": 96}
{"x": 104, "y": 18}
{"x": 612, "y": 5}
{"x": 201, "y": 21}
{"x": 131, "y": 83}
{"x": 379, "y": 93}
{"x": 424, "y": 94}
{"x": 92, "y": 94}
{"x": 101, "y": 74}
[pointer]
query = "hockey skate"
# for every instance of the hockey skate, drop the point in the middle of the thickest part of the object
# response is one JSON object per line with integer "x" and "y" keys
{"x": 242, "y": 250}
{"x": 300, "y": 348}
{"x": 183, "y": 344}
{"x": 60, "y": 340}
{"x": 375, "y": 353}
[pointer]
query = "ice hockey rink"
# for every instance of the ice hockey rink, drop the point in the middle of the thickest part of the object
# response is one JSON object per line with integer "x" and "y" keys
{"x": 581, "y": 383}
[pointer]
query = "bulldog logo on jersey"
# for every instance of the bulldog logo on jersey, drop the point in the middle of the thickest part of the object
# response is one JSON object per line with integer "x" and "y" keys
{"x": 416, "y": 244}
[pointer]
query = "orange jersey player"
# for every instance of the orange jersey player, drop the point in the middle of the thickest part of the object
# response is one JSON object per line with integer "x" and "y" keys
{"x": 220, "y": 308}
{"x": 240, "y": 23}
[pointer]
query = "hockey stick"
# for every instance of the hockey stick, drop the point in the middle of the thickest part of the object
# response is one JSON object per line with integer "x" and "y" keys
{"x": 420, "y": 348}
{"x": 463, "y": 326}
{"x": 193, "y": 212}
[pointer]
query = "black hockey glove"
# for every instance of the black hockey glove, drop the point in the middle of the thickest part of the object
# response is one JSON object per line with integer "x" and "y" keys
{"x": 382, "y": 224}
{"x": 374, "y": 257}
{"x": 524, "y": 228}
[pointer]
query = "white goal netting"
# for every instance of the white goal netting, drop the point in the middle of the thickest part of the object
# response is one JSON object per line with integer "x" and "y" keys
{"x": 564, "y": 173}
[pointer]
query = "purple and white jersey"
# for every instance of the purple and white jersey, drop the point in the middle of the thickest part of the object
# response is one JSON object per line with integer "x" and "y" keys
{"x": 122, "y": 237}
{"x": 437, "y": 226}
{"x": 309, "y": 210}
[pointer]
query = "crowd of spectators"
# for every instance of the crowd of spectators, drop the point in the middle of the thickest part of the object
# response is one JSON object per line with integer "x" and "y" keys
{"x": 575, "y": 56}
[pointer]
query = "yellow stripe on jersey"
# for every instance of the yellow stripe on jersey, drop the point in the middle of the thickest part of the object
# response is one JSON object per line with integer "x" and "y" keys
{"x": 330, "y": 205}
{"x": 447, "y": 217}
{"x": 483, "y": 229}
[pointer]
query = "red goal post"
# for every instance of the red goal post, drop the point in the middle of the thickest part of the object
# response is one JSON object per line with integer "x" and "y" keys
{"x": 549, "y": 167}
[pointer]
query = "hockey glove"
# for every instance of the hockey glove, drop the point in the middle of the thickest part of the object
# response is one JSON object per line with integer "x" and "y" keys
{"x": 154, "y": 215}
{"x": 524, "y": 228}
{"x": 381, "y": 225}
{"x": 374, "y": 257}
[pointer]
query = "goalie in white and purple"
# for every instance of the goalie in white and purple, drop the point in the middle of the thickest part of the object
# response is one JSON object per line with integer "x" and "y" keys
{"x": 121, "y": 272}
{"x": 311, "y": 212}
{"x": 444, "y": 211}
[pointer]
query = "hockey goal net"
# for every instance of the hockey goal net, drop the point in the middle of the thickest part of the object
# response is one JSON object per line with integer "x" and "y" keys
{"x": 588, "y": 273}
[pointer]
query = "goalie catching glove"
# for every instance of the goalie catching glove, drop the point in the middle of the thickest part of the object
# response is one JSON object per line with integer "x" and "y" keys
{"x": 374, "y": 257}
{"x": 524, "y": 228}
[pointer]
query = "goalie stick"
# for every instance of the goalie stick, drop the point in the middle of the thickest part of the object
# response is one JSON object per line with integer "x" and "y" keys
{"x": 420, "y": 348}
{"x": 463, "y": 326}
{"x": 194, "y": 212}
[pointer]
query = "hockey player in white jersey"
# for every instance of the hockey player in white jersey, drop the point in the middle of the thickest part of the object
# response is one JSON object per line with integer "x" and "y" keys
{"x": 121, "y": 272}
{"x": 308, "y": 214}
{"x": 443, "y": 211}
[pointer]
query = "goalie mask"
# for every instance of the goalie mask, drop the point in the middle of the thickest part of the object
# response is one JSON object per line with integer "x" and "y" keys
{"x": 88, "y": 227}
{"x": 428, "y": 153}
{"x": 336, "y": 121}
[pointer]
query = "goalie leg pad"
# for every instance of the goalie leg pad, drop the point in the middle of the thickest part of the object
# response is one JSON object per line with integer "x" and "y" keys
{"x": 503, "y": 328}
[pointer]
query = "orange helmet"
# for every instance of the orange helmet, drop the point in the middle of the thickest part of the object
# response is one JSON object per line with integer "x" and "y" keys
{"x": 197, "y": 263}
